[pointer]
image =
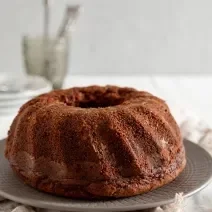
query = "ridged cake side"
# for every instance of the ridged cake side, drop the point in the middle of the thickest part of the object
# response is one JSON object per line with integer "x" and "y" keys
{"x": 57, "y": 145}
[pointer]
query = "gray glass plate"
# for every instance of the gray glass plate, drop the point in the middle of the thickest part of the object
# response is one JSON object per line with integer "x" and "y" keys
{"x": 195, "y": 177}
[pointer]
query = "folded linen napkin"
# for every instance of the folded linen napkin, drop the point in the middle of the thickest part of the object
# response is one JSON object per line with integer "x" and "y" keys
{"x": 193, "y": 129}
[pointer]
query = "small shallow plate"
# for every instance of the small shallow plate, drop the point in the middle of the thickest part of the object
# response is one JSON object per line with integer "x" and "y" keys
{"x": 195, "y": 177}
{"x": 13, "y": 103}
{"x": 24, "y": 87}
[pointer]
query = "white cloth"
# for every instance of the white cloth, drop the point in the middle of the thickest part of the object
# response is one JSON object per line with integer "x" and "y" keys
{"x": 193, "y": 129}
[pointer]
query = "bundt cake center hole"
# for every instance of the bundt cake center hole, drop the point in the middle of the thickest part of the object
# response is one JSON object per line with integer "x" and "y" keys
{"x": 101, "y": 103}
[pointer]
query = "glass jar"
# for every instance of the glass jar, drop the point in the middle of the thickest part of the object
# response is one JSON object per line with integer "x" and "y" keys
{"x": 47, "y": 58}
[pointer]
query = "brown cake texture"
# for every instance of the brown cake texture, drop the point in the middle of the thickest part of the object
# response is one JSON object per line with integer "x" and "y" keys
{"x": 95, "y": 142}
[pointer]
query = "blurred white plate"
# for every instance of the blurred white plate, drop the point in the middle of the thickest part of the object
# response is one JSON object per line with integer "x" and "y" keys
{"x": 22, "y": 87}
{"x": 13, "y": 103}
{"x": 9, "y": 111}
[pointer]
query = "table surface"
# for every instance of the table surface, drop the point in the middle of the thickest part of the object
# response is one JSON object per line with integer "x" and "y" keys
{"x": 189, "y": 92}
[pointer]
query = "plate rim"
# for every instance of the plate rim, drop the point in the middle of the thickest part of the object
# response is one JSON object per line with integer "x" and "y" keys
{"x": 46, "y": 205}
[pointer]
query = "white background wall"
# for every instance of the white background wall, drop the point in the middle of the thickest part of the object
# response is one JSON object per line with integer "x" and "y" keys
{"x": 119, "y": 36}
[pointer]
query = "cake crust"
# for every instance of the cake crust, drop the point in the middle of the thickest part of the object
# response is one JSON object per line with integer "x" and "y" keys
{"x": 100, "y": 190}
{"x": 95, "y": 142}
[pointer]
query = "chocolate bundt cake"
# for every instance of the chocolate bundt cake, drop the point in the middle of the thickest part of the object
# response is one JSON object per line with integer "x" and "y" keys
{"x": 95, "y": 142}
